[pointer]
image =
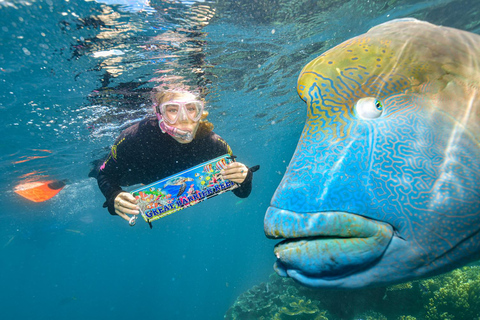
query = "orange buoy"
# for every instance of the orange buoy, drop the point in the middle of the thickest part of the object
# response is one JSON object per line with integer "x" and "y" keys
{"x": 40, "y": 191}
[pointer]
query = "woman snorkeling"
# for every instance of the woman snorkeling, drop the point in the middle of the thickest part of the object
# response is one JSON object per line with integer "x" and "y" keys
{"x": 177, "y": 139}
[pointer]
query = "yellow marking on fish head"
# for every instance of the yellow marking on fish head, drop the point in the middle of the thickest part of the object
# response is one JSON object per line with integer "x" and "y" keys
{"x": 406, "y": 58}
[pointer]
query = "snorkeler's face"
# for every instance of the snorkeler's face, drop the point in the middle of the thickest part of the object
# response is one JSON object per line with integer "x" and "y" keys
{"x": 184, "y": 120}
{"x": 186, "y": 125}
{"x": 174, "y": 110}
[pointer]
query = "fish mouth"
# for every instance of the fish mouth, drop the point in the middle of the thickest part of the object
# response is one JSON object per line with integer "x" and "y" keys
{"x": 325, "y": 245}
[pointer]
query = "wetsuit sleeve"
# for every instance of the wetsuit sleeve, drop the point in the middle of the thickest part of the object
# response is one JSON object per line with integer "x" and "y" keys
{"x": 113, "y": 169}
{"x": 246, "y": 186}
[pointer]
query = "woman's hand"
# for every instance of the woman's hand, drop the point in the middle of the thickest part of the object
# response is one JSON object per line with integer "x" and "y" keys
{"x": 125, "y": 204}
{"x": 235, "y": 171}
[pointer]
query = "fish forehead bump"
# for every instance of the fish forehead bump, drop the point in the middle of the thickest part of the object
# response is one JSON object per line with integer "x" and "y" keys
{"x": 416, "y": 49}
{"x": 439, "y": 64}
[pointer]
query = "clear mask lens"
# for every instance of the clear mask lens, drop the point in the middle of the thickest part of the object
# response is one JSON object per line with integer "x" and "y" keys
{"x": 172, "y": 111}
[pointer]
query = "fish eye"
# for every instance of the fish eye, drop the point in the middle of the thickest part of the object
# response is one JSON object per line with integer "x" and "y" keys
{"x": 368, "y": 108}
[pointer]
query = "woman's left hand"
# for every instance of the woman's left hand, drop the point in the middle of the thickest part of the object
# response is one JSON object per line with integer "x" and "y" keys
{"x": 235, "y": 171}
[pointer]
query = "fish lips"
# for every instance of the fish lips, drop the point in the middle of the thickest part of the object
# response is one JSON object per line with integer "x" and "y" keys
{"x": 325, "y": 245}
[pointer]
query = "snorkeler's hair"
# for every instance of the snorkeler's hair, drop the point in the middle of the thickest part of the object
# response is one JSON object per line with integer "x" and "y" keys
{"x": 160, "y": 95}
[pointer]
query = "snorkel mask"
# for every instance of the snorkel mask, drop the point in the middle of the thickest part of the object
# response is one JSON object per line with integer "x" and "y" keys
{"x": 173, "y": 110}
{"x": 169, "y": 112}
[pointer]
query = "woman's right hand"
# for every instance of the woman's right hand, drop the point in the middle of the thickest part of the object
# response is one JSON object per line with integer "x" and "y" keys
{"x": 124, "y": 204}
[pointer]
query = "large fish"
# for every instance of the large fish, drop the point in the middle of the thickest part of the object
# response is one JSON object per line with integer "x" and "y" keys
{"x": 384, "y": 185}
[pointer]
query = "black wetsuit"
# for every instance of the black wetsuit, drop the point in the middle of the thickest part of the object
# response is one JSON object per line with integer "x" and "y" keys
{"x": 143, "y": 154}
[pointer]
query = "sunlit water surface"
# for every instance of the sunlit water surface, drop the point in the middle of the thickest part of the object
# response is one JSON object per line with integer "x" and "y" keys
{"x": 73, "y": 74}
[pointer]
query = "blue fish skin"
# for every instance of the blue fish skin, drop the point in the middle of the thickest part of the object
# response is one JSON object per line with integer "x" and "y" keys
{"x": 384, "y": 186}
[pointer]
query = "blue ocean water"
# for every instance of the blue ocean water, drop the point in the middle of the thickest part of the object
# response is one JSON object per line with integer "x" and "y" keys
{"x": 73, "y": 74}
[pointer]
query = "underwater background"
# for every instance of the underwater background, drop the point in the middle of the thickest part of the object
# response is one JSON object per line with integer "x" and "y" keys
{"x": 74, "y": 74}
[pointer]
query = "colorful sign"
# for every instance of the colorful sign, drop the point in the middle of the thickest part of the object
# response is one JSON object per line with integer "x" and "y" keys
{"x": 183, "y": 189}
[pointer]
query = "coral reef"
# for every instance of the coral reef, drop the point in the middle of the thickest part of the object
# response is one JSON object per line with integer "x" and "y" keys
{"x": 278, "y": 299}
{"x": 454, "y": 295}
